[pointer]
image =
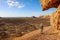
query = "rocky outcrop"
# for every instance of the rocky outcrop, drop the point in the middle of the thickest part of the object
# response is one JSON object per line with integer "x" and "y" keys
{"x": 55, "y": 16}
{"x": 46, "y": 4}
{"x": 44, "y": 16}
{"x": 55, "y": 19}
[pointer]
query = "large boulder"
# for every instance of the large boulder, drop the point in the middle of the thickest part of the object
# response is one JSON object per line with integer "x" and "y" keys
{"x": 46, "y": 4}
{"x": 55, "y": 16}
{"x": 55, "y": 20}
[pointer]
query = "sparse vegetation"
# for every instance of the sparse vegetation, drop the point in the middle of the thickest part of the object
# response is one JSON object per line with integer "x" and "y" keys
{"x": 17, "y": 27}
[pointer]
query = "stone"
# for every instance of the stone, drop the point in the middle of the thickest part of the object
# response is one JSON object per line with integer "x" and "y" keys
{"x": 55, "y": 19}
{"x": 55, "y": 16}
{"x": 46, "y": 4}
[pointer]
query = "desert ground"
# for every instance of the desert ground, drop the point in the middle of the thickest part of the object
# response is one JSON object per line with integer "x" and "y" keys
{"x": 27, "y": 28}
{"x": 11, "y": 28}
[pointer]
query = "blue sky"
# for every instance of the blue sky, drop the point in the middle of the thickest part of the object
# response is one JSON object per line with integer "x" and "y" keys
{"x": 22, "y": 8}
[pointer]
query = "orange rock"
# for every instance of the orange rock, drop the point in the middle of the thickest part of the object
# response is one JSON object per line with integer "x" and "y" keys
{"x": 46, "y": 4}
{"x": 55, "y": 19}
{"x": 55, "y": 16}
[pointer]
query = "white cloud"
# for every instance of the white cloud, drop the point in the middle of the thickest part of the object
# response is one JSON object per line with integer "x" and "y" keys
{"x": 12, "y": 3}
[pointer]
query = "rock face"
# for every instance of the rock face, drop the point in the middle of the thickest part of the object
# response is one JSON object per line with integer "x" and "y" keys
{"x": 46, "y": 4}
{"x": 55, "y": 19}
{"x": 55, "y": 16}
